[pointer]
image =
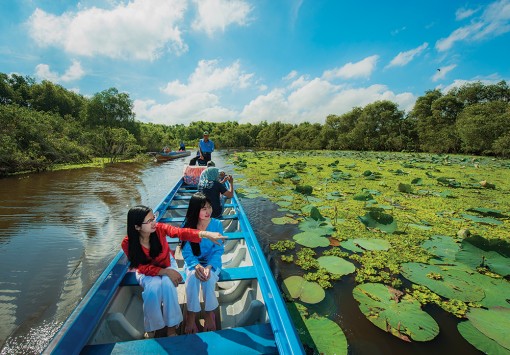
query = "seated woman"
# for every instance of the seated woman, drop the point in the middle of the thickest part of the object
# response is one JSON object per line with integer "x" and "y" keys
{"x": 213, "y": 188}
{"x": 148, "y": 252}
{"x": 202, "y": 263}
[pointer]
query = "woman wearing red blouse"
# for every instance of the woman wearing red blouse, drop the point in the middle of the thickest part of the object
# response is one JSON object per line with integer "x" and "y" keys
{"x": 156, "y": 269}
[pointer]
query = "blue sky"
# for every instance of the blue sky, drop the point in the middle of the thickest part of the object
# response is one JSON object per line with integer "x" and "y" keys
{"x": 256, "y": 60}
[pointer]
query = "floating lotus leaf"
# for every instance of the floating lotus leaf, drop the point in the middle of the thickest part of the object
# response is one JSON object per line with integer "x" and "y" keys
{"x": 311, "y": 239}
{"x": 283, "y": 203}
{"x": 336, "y": 265}
{"x": 379, "y": 220}
{"x": 406, "y": 188}
{"x": 284, "y": 220}
{"x": 474, "y": 257}
{"x": 403, "y": 318}
{"x": 494, "y": 323}
{"x": 487, "y": 212}
{"x": 363, "y": 196}
{"x": 306, "y": 291}
{"x": 480, "y": 340}
{"x": 455, "y": 282}
{"x": 446, "y": 194}
{"x": 372, "y": 244}
{"x": 328, "y": 337}
{"x": 324, "y": 227}
{"x": 420, "y": 226}
{"x": 417, "y": 181}
{"x": 350, "y": 245}
{"x": 442, "y": 246}
{"x": 483, "y": 220}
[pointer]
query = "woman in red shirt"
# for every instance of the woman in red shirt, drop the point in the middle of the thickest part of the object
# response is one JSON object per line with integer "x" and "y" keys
{"x": 156, "y": 269}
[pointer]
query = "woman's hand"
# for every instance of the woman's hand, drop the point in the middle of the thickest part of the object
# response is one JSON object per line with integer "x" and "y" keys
{"x": 201, "y": 273}
{"x": 214, "y": 237}
{"x": 174, "y": 275}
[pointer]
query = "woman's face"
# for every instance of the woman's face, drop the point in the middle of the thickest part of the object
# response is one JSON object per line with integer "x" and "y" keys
{"x": 149, "y": 223}
{"x": 205, "y": 212}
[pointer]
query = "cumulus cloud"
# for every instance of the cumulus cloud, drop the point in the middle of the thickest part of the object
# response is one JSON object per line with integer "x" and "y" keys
{"x": 208, "y": 77}
{"x": 441, "y": 72}
{"x": 404, "y": 58}
{"x": 216, "y": 15}
{"x": 315, "y": 100}
{"x": 141, "y": 29}
{"x": 361, "y": 69}
{"x": 74, "y": 72}
{"x": 494, "y": 21}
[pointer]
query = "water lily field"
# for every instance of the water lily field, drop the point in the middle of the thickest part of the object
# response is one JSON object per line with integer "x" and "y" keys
{"x": 410, "y": 230}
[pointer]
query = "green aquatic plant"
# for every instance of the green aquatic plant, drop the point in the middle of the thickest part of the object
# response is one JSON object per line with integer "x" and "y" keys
{"x": 283, "y": 245}
{"x": 399, "y": 315}
{"x": 328, "y": 337}
{"x": 336, "y": 265}
{"x": 307, "y": 292}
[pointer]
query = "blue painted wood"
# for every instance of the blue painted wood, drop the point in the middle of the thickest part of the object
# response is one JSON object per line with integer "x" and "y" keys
{"x": 181, "y": 219}
{"x": 254, "y": 339}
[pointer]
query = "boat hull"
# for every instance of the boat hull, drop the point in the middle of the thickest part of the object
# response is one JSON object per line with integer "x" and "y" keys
{"x": 172, "y": 155}
{"x": 251, "y": 318}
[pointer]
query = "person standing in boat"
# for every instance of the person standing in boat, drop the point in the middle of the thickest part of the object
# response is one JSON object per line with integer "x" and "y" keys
{"x": 202, "y": 264}
{"x": 210, "y": 184}
{"x": 156, "y": 269}
{"x": 206, "y": 147}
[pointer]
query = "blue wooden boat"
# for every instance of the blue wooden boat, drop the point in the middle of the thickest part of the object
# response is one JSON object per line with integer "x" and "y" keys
{"x": 165, "y": 156}
{"x": 251, "y": 319}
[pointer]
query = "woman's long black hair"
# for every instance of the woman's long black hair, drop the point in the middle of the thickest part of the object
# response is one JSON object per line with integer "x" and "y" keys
{"x": 136, "y": 256}
{"x": 196, "y": 203}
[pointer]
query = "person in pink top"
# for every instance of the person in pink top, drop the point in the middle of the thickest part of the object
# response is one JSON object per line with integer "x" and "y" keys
{"x": 156, "y": 269}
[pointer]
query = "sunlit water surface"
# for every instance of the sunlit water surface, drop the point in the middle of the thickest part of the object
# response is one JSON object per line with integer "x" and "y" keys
{"x": 59, "y": 230}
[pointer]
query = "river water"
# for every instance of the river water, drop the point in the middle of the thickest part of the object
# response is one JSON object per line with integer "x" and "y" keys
{"x": 59, "y": 230}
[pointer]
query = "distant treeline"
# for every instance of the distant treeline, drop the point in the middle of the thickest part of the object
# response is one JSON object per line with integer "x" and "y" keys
{"x": 42, "y": 124}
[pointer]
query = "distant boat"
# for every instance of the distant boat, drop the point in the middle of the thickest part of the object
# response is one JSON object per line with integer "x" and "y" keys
{"x": 252, "y": 317}
{"x": 164, "y": 156}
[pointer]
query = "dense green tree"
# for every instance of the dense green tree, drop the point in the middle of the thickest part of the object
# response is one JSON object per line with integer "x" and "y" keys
{"x": 303, "y": 136}
{"x": 49, "y": 97}
{"x": 481, "y": 124}
{"x": 110, "y": 108}
{"x": 378, "y": 127}
{"x": 270, "y": 137}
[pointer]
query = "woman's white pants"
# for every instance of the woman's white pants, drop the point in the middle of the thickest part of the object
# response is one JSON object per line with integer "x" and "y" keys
{"x": 158, "y": 291}
{"x": 208, "y": 287}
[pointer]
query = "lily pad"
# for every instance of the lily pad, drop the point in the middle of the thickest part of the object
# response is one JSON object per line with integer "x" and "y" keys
{"x": 350, "y": 245}
{"x": 402, "y": 317}
{"x": 336, "y": 265}
{"x": 328, "y": 337}
{"x": 442, "y": 246}
{"x": 379, "y": 220}
{"x": 311, "y": 239}
{"x": 494, "y": 323}
{"x": 284, "y": 220}
{"x": 483, "y": 220}
{"x": 306, "y": 291}
{"x": 372, "y": 244}
{"x": 474, "y": 257}
{"x": 454, "y": 282}
{"x": 480, "y": 340}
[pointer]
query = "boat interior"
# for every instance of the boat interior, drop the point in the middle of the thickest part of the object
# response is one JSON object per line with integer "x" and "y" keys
{"x": 240, "y": 300}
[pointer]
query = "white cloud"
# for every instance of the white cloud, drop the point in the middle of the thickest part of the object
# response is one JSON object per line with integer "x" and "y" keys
{"x": 194, "y": 107}
{"x": 361, "y": 69}
{"x": 74, "y": 72}
{"x": 141, "y": 29}
{"x": 216, "y": 15}
{"x": 494, "y": 21}
{"x": 291, "y": 75}
{"x": 315, "y": 100}
{"x": 404, "y": 58}
{"x": 463, "y": 13}
{"x": 441, "y": 72}
{"x": 209, "y": 77}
